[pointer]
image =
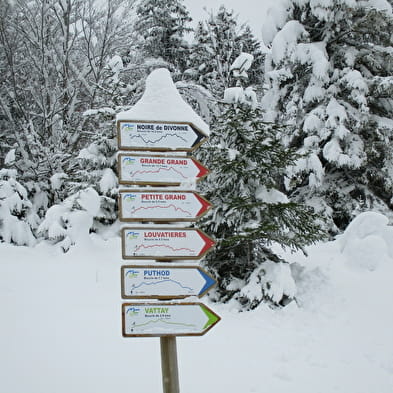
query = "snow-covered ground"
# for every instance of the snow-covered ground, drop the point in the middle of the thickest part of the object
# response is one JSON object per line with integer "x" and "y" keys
{"x": 60, "y": 327}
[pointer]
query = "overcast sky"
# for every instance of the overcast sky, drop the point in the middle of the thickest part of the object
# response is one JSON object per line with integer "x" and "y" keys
{"x": 251, "y": 11}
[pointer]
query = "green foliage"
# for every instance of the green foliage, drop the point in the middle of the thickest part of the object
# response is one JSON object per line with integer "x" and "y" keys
{"x": 330, "y": 76}
{"x": 251, "y": 214}
{"x": 217, "y": 43}
{"x": 161, "y": 26}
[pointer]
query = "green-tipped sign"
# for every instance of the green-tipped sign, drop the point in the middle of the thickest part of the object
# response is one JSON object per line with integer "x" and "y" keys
{"x": 167, "y": 319}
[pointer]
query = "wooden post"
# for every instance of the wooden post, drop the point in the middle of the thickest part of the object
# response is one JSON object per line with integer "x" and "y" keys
{"x": 170, "y": 372}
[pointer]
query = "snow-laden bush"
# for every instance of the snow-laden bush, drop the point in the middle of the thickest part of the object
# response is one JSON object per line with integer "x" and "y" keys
{"x": 367, "y": 241}
{"x": 16, "y": 214}
{"x": 71, "y": 221}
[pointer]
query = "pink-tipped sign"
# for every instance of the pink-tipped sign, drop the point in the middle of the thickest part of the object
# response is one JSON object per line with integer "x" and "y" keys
{"x": 161, "y": 206}
{"x": 159, "y": 170}
{"x": 165, "y": 243}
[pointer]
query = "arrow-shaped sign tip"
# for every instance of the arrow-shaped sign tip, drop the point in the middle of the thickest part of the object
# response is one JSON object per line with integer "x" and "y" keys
{"x": 206, "y": 205}
{"x": 209, "y": 282}
{"x": 203, "y": 171}
{"x": 209, "y": 242}
{"x": 212, "y": 318}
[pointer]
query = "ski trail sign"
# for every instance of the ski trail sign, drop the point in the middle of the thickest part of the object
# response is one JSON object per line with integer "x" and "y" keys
{"x": 161, "y": 206}
{"x": 167, "y": 319}
{"x": 159, "y": 170}
{"x": 158, "y": 136}
{"x": 164, "y": 282}
{"x": 164, "y": 243}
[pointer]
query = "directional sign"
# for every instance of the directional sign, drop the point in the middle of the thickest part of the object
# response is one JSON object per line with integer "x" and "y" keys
{"x": 164, "y": 282}
{"x": 158, "y": 136}
{"x": 156, "y": 206}
{"x": 167, "y": 319}
{"x": 164, "y": 243}
{"x": 159, "y": 170}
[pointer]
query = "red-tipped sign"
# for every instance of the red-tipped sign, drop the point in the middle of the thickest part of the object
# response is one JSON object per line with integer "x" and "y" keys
{"x": 159, "y": 170}
{"x": 161, "y": 206}
{"x": 164, "y": 243}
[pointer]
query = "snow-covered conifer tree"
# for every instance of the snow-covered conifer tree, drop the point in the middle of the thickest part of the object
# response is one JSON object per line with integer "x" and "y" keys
{"x": 217, "y": 43}
{"x": 161, "y": 26}
{"x": 247, "y": 161}
{"x": 329, "y": 75}
{"x": 248, "y": 164}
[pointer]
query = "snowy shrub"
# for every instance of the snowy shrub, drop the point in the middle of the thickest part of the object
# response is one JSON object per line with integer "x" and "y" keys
{"x": 16, "y": 213}
{"x": 272, "y": 281}
{"x": 367, "y": 241}
{"x": 71, "y": 221}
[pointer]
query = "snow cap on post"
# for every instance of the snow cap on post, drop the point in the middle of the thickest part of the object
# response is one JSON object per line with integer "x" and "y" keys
{"x": 161, "y": 101}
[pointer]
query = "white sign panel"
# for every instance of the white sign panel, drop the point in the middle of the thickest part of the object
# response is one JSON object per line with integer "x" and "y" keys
{"x": 152, "y": 205}
{"x": 167, "y": 319}
{"x": 160, "y": 282}
{"x": 158, "y": 136}
{"x": 165, "y": 243}
{"x": 159, "y": 170}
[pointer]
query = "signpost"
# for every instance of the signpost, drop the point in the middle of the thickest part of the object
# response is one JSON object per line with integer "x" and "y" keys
{"x": 158, "y": 136}
{"x": 167, "y": 319}
{"x": 159, "y": 170}
{"x": 164, "y": 244}
{"x": 156, "y": 280}
{"x": 164, "y": 282}
{"x": 161, "y": 206}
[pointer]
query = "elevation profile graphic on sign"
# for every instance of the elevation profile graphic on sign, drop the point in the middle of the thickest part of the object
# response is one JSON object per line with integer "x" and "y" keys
{"x": 165, "y": 243}
{"x": 161, "y": 206}
{"x": 164, "y": 282}
{"x": 159, "y": 170}
{"x": 158, "y": 136}
{"x": 167, "y": 319}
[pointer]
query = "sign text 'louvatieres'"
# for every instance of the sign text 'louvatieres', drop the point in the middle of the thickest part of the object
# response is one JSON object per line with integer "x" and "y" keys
{"x": 161, "y": 206}
{"x": 164, "y": 282}
{"x": 165, "y": 243}
{"x": 167, "y": 319}
{"x": 158, "y": 136}
{"x": 159, "y": 170}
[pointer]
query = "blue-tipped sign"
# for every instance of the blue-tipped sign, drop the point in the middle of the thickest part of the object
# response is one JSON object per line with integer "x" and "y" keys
{"x": 164, "y": 282}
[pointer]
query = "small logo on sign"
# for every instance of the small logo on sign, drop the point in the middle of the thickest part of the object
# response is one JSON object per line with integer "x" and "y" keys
{"x": 128, "y": 127}
{"x": 128, "y": 161}
{"x": 132, "y": 273}
{"x": 133, "y": 311}
{"x": 132, "y": 235}
{"x": 129, "y": 197}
